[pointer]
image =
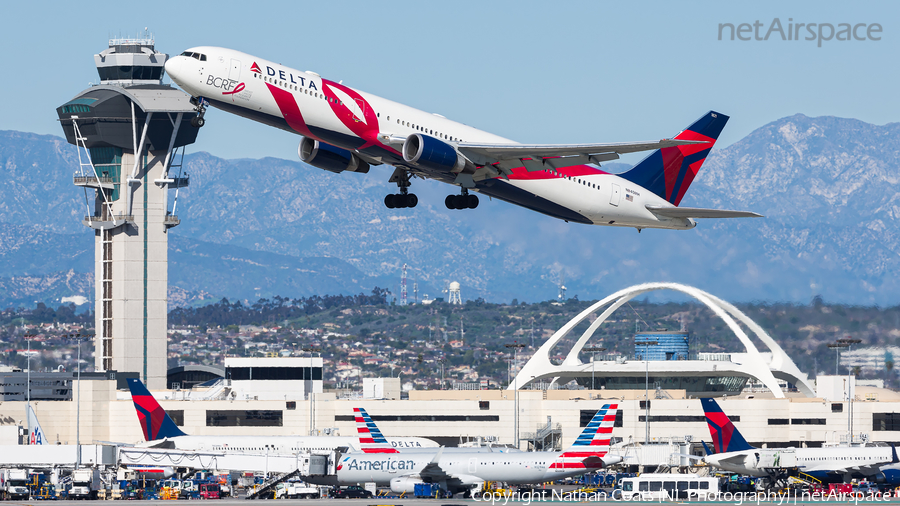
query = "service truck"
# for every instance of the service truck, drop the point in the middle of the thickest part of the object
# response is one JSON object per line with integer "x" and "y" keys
{"x": 15, "y": 484}
{"x": 85, "y": 483}
{"x": 296, "y": 490}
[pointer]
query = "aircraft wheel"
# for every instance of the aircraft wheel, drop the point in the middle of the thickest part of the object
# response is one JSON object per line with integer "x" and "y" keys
{"x": 449, "y": 202}
{"x": 389, "y": 201}
{"x": 400, "y": 201}
{"x": 197, "y": 122}
{"x": 472, "y": 201}
{"x": 412, "y": 200}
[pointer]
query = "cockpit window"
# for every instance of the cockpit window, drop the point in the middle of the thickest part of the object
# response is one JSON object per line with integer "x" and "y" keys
{"x": 196, "y": 56}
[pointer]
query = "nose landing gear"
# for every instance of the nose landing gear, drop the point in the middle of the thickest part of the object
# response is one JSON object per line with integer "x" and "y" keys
{"x": 200, "y": 104}
{"x": 462, "y": 201}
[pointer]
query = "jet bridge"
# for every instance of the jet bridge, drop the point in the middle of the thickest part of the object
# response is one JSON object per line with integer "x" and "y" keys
{"x": 310, "y": 466}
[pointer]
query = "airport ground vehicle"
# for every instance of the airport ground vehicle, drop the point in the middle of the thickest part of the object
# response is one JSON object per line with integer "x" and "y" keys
{"x": 296, "y": 490}
{"x": 85, "y": 483}
{"x": 352, "y": 492}
{"x": 650, "y": 486}
{"x": 209, "y": 491}
{"x": 15, "y": 484}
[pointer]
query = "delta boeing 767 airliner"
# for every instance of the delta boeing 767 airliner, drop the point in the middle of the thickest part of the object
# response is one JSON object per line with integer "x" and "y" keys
{"x": 344, "y": 129}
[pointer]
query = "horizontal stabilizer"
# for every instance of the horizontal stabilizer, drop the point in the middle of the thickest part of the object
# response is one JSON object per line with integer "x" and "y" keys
{"x": 697, "y": 212}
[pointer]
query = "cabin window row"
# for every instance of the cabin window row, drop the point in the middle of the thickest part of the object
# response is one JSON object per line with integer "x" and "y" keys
{"x": 428, "y": 131}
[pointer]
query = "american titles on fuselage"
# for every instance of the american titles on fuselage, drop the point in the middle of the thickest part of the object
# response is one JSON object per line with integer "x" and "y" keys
{"x": 389, "y": 464}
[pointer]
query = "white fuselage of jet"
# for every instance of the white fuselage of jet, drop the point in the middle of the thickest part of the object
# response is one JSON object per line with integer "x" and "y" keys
{"x": 459, "y": 470}
{"x": 864, "y": 461}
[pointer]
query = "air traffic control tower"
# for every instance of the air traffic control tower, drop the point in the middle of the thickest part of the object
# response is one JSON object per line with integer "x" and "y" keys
{"x": 128, "y": 130}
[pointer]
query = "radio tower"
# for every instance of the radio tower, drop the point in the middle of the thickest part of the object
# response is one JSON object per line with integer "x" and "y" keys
{"x": 403, "y": 286}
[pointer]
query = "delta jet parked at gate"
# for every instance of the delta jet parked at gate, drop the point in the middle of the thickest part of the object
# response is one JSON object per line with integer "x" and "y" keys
{"x": 344, "y": 129}
{"x": 466, "y": 471}
{"x": 840, "y": 463}
{"x": 371, "y": 440}
{"x": 160, "y": 431}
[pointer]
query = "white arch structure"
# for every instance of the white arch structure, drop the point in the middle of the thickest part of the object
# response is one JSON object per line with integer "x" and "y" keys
{"x": 781, "y": 366}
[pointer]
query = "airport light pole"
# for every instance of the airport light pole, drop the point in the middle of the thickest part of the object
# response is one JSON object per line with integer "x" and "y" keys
{"x": 515, "y": 346}
{"x": 849, "y": 341}
{"x": 593, "y": 350}
{"x": 837, "y": 350}
{"x": 646, "y": 388}
{"x": 312, "y": 397}
{"x": 28, "y": 338}
{"x": 77, "y": 338}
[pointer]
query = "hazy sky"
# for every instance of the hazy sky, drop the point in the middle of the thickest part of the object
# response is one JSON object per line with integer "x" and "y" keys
{"x": 557, "y": 72}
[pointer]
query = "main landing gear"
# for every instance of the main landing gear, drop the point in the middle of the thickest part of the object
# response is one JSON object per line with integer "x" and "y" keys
{"x": 404, "y": 198}
{"x": 200, "y": 106}
{"x": 463, "y": 201}
{"x": 401, "y": 200}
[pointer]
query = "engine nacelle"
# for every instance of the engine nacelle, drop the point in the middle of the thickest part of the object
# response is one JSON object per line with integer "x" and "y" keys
{"x": 435, "y": 154}
{"x": 405, "y": 484}
{"x": 325, "y": 156}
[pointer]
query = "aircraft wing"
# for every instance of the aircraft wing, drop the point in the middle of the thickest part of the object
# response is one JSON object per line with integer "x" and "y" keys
{"x": 543, "y": 156}
{"x": 697, "y": 212}
{"x": 433, "y": 469}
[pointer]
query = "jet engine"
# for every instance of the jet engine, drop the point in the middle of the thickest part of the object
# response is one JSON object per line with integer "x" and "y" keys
{"x": 435, "y": 154}
{"x": 405, "y": 484}
{"x": 325, "y": 156}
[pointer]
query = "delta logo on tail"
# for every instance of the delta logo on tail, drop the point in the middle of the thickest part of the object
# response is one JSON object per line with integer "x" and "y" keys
{"x": 669, "y": 172}
{"x": 725, "y": 435}
{"x": 371, "y": 440}
{"x": 593, "y": 442}
{"x": 154, "y": 421}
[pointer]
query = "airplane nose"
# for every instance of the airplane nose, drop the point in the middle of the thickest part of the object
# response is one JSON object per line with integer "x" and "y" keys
{"x": 173, "y": 67}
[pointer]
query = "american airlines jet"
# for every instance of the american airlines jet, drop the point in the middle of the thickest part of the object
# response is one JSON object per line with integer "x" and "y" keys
{"x": 466, "y": 470}
{"x": 344, "y": 129}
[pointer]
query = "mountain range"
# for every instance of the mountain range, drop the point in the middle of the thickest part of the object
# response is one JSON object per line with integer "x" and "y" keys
{"x": 257, "y": 228}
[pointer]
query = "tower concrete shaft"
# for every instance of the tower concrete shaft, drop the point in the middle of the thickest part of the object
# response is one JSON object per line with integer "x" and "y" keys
{"x": 132, "y": 276}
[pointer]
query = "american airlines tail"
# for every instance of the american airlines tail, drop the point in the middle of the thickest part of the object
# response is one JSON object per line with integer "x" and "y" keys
{"x": 590, "y": 448}
{"x": 669, "y": 172}
{"x": 371, "y": 440}
{"x": 155, "y": 422}
{"x": 35, "y": 432}
{"x": 725, "y": 436}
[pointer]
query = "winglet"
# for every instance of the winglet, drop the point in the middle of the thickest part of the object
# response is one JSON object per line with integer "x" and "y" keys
{"x": 437, "y": 456}
{"x": 894, "y": 458}
{"x": 155, "y": 422}
{"x": 706, "y": 448}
